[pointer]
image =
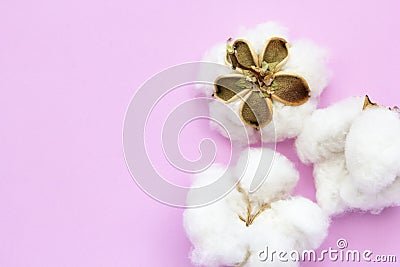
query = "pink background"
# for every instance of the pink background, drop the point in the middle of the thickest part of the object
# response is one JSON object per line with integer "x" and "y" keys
{"x": 68, "y": 70}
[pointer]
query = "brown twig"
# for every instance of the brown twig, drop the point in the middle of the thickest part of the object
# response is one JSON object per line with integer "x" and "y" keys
{"x": 250, "y": 217}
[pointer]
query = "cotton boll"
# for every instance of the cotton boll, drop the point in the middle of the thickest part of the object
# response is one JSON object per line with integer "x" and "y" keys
{"x": 278, "y": 174}
{"x": 305, "y": 59}
{"x": 304, "y": 221}
{"x": 329, "y": 176}
{"x": 324, "y": 132}
{"x": 356, "y": 156}
{"x": 373, "y": 149}
{"x": 309, "y": 60}
{"x": 217, "y": 53}
{"x": 287, "y": 121}
{"x": 373, "y": 160}
{"x": 237, "y": 227}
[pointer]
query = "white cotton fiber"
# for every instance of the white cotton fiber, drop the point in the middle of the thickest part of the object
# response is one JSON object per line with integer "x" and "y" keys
{"x": 329, "y": 176}
{"x": 305, "y": 59}
{"x": 373, "y": 149}
{"x": 216, "y": 242}
{"x": 258, "y": 35}
{"x": 287, "y": 121}
{"x": 221, "y": 238}
{"x": 356, "y": 199}
{"x": 297, "y": 215}
{"x": 356, "y": 156}
{"x": 229, "y": 124}
{"x": 324, "y": 133}
{"x": 278, "y": 174}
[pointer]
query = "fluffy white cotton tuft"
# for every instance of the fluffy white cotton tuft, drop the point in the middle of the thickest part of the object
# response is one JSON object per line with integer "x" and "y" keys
{"x": 307, "y": 233}
{"x": 229, "y": 124}
{"x": 373, "y": 149}
{"x": 258, "y": 35}
{"x": 215, "y": 242}
{"x": 325, "y": 131}
{"x": 356, "y": 156}
{"x": 275, "y": 174}
{"x": 329, "y": 176}
{"x": 221, "y": 238}
{"x": 305, "y": 59}
{"x": 287, "y": 121}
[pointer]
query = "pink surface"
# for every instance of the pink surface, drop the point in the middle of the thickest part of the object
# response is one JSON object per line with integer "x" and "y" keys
{"x": 68, "y": 70}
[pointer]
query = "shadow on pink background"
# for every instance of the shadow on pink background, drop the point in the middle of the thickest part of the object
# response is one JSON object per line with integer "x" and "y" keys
{"x": 68, "y": 70}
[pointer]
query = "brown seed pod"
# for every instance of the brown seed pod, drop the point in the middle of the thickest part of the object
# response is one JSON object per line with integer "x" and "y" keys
{"x": 261, "y": 82}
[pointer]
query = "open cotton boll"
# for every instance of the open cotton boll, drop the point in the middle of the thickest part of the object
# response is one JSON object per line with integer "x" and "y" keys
{"x": 235, "y": 229}
{"x": 355, "y": 150}
{"x": 373, "y": 149}
{"x": 324, "y": 132}
{"x": 276, "y": 173}
{"x": 305, "y": 59}
{"x": 257, "y": 37}
{"x": 373, "y": 160}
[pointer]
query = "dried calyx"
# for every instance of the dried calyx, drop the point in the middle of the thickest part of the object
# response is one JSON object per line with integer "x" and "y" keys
{"x": 369, "y": 104}
{"x": 251, "y": 214}
{"x": 260, "y": 81}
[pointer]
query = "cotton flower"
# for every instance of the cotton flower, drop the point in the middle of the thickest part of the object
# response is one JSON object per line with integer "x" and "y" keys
{"x": 233, "y": 230}
{"x": 266, "y": 113}
{"x": 355, "y": 148}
